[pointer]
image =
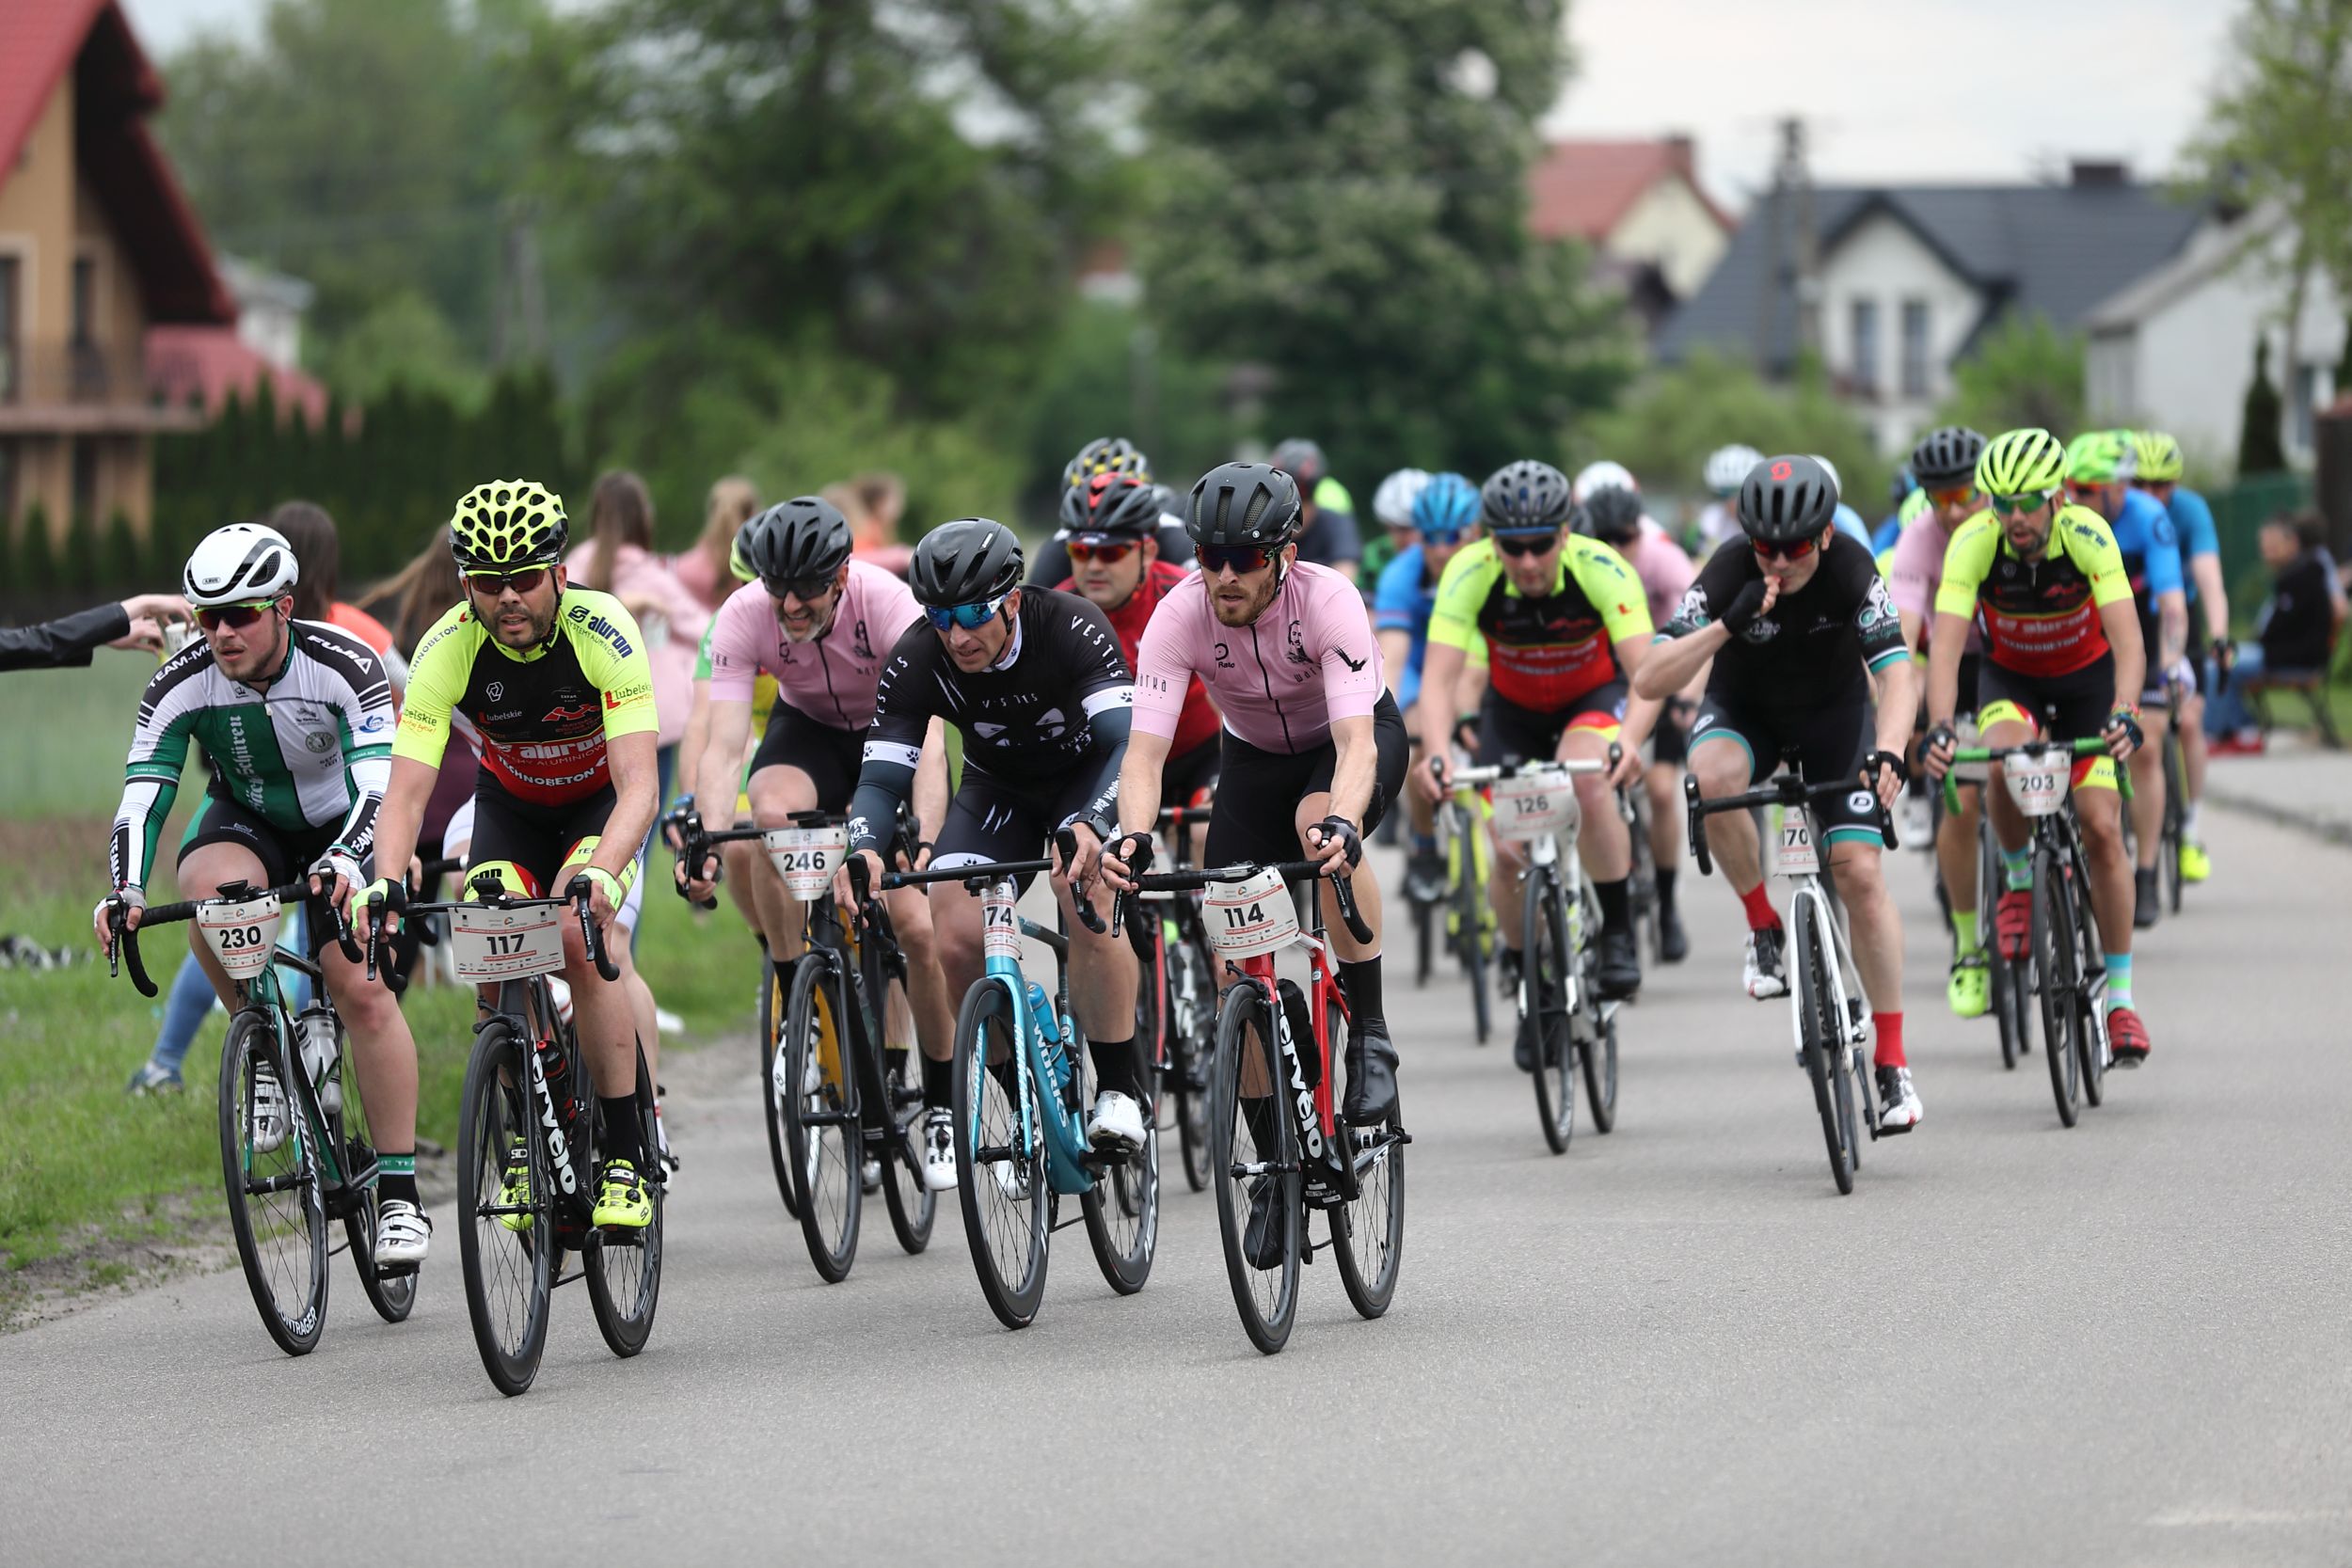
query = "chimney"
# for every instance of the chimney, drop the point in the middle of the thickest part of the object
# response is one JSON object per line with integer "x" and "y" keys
{"x": 2098, "y": 173}
{"x": 1682, "y": 152}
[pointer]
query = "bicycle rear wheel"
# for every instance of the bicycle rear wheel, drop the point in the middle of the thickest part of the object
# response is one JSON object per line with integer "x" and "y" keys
{"x": 2054, "y": 959}
{"x": 913, "y": 1206}
{"x": 1543, "y": 1001}
{"x": 624, "y": 1268}
{"x": 1192, "y": 1016}
{"x": 276, "y": 1207}
{"x": 1000, "y": 1152}
{"x": 1823, "y": 1037}
{"x": 1469, "y": 934}
{"x": 828, "y": 1156}
{"x": 2011, "y": 1013}
{"x": 2090, "y": 1031}
{"x": 1368, "y": 1235}
{"x": 1599, "y": 1053}
{"x": 393, "y": 1296}
{"x": 2175, "y": 793}
{"x": 1253, "y": 1148}
{"x": 773, "y": 995}
{"x": 508, "y": 1252}
{"x": 1122, "y": 1212}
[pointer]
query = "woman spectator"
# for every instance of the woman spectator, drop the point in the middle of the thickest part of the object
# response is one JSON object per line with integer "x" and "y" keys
{"x": 618, "y": 559}
{"x": 734, "y": 501}
{"x": 873, "y": 504}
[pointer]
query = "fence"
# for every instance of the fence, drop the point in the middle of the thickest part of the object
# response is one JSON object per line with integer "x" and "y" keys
{"x": 2238, "y": 514}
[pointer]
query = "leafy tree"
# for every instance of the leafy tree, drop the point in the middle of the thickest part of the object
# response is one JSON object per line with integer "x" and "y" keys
{"x": 2259, "y": 447}
{"x": 1673, "y": 419}
{"x": 1343, "y": 200}
{"x": 1106, "y": 372}
{"x": 403, "y": 337}
{"x": 2026, "y": 371}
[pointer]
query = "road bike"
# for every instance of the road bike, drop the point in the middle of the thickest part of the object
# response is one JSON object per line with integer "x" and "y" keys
{"x": 1469, "y": 923}
{"x": 1641, "y": 883}
{"x": 1176, "y": 1004}
{"x": 2174, "y": 833}
{"x": 296, "y": 1152}
{"x": 1276, "y": 1141}
{"x": 1535, "y": 803}
{"x": 529, "y": 1135}
{"x": 1019, "y": 1099}
{"x": 1828, "y": 1013}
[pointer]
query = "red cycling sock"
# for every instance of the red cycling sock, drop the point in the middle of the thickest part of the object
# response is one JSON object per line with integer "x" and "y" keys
{"x": 1890, "y": 1048}
{"x": 1761, "y": 915}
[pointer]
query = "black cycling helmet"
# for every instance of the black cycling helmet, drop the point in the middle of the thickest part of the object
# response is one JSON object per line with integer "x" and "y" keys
{"x": 795, "y": 541}
{"x": 1105, "y": 454}
{"x": 1611, "y": 515}
{"x": 1526, "y": 497}
{"x": 1303, "y": 461}
{"x": 970, "y": 561}
{"x": 1123, "y": 506}
{"x": 1947, "y": 456}
{"x": 1246, "y": 504}
{"x": 1787, "y": 498}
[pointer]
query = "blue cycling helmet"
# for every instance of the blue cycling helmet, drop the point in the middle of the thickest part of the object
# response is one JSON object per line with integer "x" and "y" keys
{"x": 1447, "y": 507}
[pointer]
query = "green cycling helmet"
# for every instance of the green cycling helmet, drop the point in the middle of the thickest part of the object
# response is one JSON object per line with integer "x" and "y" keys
{"x": 2159, "y": 456}
{"x": 2101, "y": 457}
{"x": 2021, "y": 462}
{"x": 507, "y": 523}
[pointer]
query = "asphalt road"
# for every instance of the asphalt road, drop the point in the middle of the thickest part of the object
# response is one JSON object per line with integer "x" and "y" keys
{"x": 2126, "y": 1344}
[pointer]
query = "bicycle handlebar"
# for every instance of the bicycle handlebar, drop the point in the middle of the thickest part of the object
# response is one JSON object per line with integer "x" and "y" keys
{"x": 1289, "y": 871}
{"x": 124, "y": 950}
{"x": 1781, "y": 789}
{"x": 2087, "y": 746}
{"x": 578, "y": 893}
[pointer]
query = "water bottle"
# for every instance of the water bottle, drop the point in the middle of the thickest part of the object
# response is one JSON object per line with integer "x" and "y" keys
{"x": 314, "y": 1033}
{"x": 1057, "y": 1059}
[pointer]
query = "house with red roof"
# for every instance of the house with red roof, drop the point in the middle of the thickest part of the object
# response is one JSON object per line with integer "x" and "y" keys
{"x": 1639, "y": 204}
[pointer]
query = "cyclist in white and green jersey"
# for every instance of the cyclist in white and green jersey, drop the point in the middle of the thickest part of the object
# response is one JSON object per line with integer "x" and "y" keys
{"x": 297, "y": 718}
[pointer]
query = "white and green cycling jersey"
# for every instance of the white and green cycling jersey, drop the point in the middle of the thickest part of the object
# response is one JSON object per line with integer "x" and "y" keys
{"x": 313, "y": 750}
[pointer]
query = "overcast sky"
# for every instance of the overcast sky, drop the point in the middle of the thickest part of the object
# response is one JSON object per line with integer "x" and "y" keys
{"x": 1893, "y": 89}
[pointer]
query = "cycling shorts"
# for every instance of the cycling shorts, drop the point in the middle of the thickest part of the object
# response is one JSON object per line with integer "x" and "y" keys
{"x": 1670, "y": 741}
{"x": 1509, "y": 733}
{"x": 1184, "y": 779}
{"x": 2078, "y": 702}
{"x": 461, "y": 830}
{"x": 1257, "y": 791}
{"x": 1828, "y": 742}
{"x": 993, "y": 820}
{"x": 530, "y": 844}
{"x": 283, "y": 855}
{"x": 828, "y": 757}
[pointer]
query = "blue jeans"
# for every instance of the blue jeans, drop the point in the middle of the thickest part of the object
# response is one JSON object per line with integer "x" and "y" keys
{"x": 190, "y": 999}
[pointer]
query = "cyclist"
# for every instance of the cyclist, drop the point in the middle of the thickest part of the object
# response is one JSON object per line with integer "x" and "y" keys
{"x": 1904, "y": 486}
{"x": 2159, "y": 474}
{"x": 1035, "y": 681}
{"x": 1792, "y": 618}
{"x": 2099, "y": 468}
{"x": 1727, "y": 469}
{"x": 1604, "y": 474}
{"x": 2047, "y": 588}
{"x": 553, "y": 682}
{"x": 1313, "y": 748}
{"x": 1328, "y": 535}
{"x": 1565, "y": 624}
{"x": 1612, "y": 514}
{"x": 821, "y": 624}
{"x": 1105, "y": 455}
{"x": 1444, "y": 515}
{"x": 1392, "y": 504}
{"x": 1946, "y": 462}
{"x": 297, "y": 718}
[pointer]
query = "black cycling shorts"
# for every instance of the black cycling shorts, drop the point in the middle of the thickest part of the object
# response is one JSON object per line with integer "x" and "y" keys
{"x": 1670, "y": 741}
{"x": 1182, "y": 779}
{"x": 828, "y": 757}
{"x": 1509, "y": 735}
{"x": 283, "y": 855}
{"x": 1259, "y": 791}
{"x": 1828, "y": 743}
{"x": 2082, "y": 700}
{"x": 993, "y": 820}
{"x": 534, "y": 839}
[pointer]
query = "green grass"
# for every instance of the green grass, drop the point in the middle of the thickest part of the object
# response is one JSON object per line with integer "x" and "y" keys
{"x": 77, "y": 1157}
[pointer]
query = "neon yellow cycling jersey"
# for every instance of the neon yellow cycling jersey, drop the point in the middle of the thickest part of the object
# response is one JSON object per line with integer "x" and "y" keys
{"x": 1545, "y": 652}
{"x": 2039, "y": 618}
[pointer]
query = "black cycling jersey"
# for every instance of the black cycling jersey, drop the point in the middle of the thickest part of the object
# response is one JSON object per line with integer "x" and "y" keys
{"x": 1811, "y": 649}
{"x": 1058, "y": 703}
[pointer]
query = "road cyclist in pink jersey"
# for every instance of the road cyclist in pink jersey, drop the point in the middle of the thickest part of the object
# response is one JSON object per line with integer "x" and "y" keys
{"x": 1313, "y": 751}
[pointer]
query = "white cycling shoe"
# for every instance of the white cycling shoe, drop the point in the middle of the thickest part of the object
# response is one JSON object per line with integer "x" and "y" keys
{"x": 403, "y": 1233}
{"x": 271, "y": 1116}
{"x": 1117, "y": 1124}
{"x": 939, "y": 1149}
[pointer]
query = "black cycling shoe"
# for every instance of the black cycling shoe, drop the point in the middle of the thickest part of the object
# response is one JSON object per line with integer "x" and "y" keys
{"x": 1371, "y": 1074}
{"x": 2144, "y": 903}
{"x": 1674, "y": 942}
{"x": 1618, "y": 974}
{"x": 1424, "y": 876}
{"x": 1261, "y": 1236}
{"x": 1523, "y": 1048}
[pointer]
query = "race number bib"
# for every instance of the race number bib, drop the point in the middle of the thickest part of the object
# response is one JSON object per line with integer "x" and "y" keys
{"x": 806, "y": 857}
{"x": 491, "y": 944}
{"x": 1000, "y": 923}
{"x": 2038, "y": 781}
{"x": 242, "y": 936}
{"x": 1794, "y": 852}
{"x": 1251, "y": 917}
{"x": 1533, "y": 805}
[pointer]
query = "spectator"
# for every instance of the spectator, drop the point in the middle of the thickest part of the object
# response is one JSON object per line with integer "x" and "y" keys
{"x": 2296, "y": 631}
{"x": 1327, "y": 529}
{"x": 733, "y": 503}
{"x": 618, "y": 559}
{"x": 138, "y": 622}
{"x": 874, "y": 503}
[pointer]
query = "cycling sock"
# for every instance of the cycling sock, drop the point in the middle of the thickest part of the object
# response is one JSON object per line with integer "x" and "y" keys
{"x": 623, "y": 1139}
{"x": 1964, "y": 932}
{"x": 1665, "y": 887}
{"x": 2119, "y": 981}
{"x": 1425, "y": 844}
{"x": 1890, "y": 1045}
{"x": 939, "y": 1084}
{"x": 2189, "y": 822}
{"x": 1616, "y": 910}
{"x": 1360, "y": 982}
{"x": 396, "y": 1176}
{"x": 1257, "y": 1116}
{"x": 1115, "y": 1066}
{"x": 2017, "y": 866}
{"x": 1761, "y": 915}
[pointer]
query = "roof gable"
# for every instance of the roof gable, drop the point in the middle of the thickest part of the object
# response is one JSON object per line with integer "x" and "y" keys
{"x": 1580, "y": 190}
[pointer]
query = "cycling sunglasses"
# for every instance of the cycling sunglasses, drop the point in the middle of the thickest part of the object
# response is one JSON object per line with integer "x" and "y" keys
{"x": 2080, "y": 489}
{"x": 2014, "y": 506}
{"x": 1241, "y": 560}
{"x": 1441, "y": 535}
{"x": 1766, "y": 551}
{"x": 971, "y": 617}
{"x": 806, "y": 589}
{"x": 1110, "y": 552}
{"x": 523, "y": 579}
{"x": 235, "y": 615}
{"x": 1519, "y": 546}
{"x": 1957, "y": 496}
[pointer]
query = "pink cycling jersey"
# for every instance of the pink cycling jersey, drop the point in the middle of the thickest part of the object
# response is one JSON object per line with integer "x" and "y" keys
{"x": 1917, "y": 568}
{"x": 830, "y": 679}
{"x": 1666, "y": 570}
{"x": 1280, "y": 680}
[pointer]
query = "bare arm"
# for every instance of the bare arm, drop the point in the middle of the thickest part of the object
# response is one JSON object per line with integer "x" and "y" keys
{"x": 2205, "y": 571}
{"x": 1674, "y": 663}
{"x": 930, "y": 779}
{"x": 1396, "y": 650}
{"x": 2121, "y": 621}
{"x": 2171, "y": 628}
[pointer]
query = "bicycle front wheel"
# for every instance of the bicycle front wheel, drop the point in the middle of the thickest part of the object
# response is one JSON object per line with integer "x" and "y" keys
{"x": 2007, "y": 983}
{"x": 2090, "y": 1032}
{"x": 1599, "y": 1053}
{"x": 1822, "y": 1036}
{"x": 2056, "y": 962}
{"x": 1122, "y": 1212}
{"x": 2175, "y": 794}
{"x": 1000, "y": 1155}
{"x": 1192, "y": 1016}
{"x": 822, "y": 1136}
{"x": 1253, "y": 1150}
{"x": 393, "y": 1296}
{"x": 270, "y": 1172}
{"x": 506, "y": 1241}
{"x": 1544, "y": 1007}
{"x": 774, "y": 992}
{"x": 1368, "y": 1234}
{"x": 1470, "y": 938}
{"x": 913, "y": 1206}
{"x": 623, "y": 1267}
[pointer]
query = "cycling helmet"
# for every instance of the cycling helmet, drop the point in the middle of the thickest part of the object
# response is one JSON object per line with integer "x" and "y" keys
{"x": 1125, "y": 506}
{"x": 1246, "y": 504}
{"x": 970, "y": 561}
{"x": 1303, "y": 461}
{"x": 1600, "y": 476}
{"x": 1830, "y": 469}
{"x": 1448, "y": 508}
{"x": 1727, "y": 466}
{"x": 508, "y": 523}
{"x": 1526, "y": 497}
{"x": 2020, "y": 462}
{"x": 1392, "y": 504}
{"x": 1947, "y": 456}
{"x": 1611, "y": 515}
{"x": 2159, "y": 456}
{"x": 2101, "y": 457}
{"x": 1787, "y": 499}
{"x": 242, "y": 564}
{"x": 795, "y": 541}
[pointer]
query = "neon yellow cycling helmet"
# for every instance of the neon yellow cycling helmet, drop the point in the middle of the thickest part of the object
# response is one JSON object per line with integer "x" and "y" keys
{"x": 2100, "y": 457}
{"x": 507, "y": 523}
{"x": 2021, "y": 462}
{"x": 2159, "y": 456}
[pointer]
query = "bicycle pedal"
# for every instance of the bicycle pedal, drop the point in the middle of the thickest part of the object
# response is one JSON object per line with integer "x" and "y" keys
{"x": 395, "y": 1271}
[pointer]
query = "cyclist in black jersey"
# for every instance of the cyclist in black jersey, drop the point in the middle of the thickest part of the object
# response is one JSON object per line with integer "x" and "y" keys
{"x": 1036, "y": 683}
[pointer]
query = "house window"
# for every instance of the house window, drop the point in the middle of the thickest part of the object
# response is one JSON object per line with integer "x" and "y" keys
{"x": 1864, "y": 323}
{"x": 1915, "y": 370}
{"x": 84, "y": 300}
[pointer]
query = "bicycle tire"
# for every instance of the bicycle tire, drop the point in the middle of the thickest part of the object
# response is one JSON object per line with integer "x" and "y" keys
{"x": 2001, "y": 980}
{"x": 1192, "y": 1026}
{"x": 1368, "y": 1234}
{"x": 625, "y": 1274}
{"x": 1809, "y": 982}
{"x": 828, "y": 1160}
{"x": 393, "y": 1296}
{"x": 2054, "y": 958}
{"x": 1425, "y": 943}
{"x": 1246, "y": 1058}
{"x": 914, "y": 1208}
{"x": 1469, "y": 901}
{"x": 276, "y": 1207}
{"x": 1006, "y": 1200}
{"x": 1543, "y": 1005}
{"x": 1599, "y": 1053}
{"x": 2090, "y": 1032}
{"x": 2173, "y": 833}
{"x": 510, "y": 1280}
{"x": 772, "y": 998}
{"x": 1122, "y": 1212}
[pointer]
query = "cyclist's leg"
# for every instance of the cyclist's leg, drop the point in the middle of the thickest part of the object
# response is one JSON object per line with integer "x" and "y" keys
{"x": 230, "y": 847}
{"x": 777, "y": 791}
{"x": 1187, "y": 780}
{"x": 1602, "y": 839}
{"x": 2148, "y": 782}
{"x": 1371, "y": 1057}
{"x": 1509, "y": 735}
{"x": 1728, "y": 751}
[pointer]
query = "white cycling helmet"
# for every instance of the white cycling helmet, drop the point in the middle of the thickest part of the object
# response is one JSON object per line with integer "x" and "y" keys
{"x": 242, "y": 564}
{"x": 1600, "y": 476}
{"x": 1392, "y": 504}
{"x": 1727, "y": 466}
{"x": 1830, "y": 469}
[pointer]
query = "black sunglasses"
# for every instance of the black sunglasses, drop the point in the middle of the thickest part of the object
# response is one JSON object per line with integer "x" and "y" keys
{"x": 1519, "y": 546}
{"x": 523, "y": 579}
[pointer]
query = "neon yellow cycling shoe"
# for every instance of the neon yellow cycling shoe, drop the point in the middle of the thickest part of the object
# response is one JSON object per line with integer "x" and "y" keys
{"x": 1970, "y": 991}
{"x": 2195, "y": 866}
{"x": 621, "y": 1199}
{"x": 515, "y": 1189}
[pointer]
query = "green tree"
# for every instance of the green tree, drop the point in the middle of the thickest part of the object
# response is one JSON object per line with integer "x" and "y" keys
{"x": 1108, "y": 373}
{"x": 1342, "y": 201}
{"x": 2025, "y": 372}
{"x": 2259, "y": 447}
{"x": 1675, "y": 417}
